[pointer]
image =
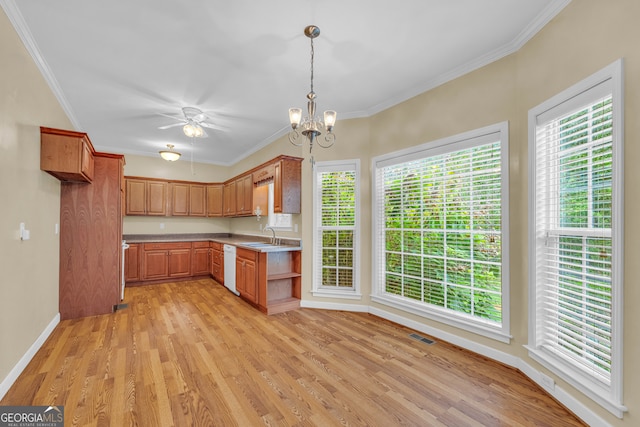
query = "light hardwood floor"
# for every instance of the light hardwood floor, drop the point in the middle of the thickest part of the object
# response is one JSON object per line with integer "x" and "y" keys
{"x": 191, "y": 353}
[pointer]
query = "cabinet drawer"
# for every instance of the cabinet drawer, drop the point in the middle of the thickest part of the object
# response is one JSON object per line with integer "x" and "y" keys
{"x": 200, "y": 244}
{"x": 246, "y": 254}
{"x": 167, "y": 245}
{"x": 216, "y": 245}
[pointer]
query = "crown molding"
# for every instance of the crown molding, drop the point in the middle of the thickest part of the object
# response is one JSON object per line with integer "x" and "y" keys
{"x": 513, "y": 46}
{"x": 17, "y": 20}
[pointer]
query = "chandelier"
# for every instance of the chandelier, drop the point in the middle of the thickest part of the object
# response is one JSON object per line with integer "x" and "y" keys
{"x": 312, "y": 126}
{"x": 170, "y": 155}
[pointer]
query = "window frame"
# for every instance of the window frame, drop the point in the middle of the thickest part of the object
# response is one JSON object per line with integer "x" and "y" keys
{"x": 318, "y": 289}
{"x": 493, "y": 133}
{"x": 610, "y": 397}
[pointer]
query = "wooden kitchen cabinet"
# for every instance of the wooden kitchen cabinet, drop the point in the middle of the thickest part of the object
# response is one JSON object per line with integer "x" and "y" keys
{"x": 244, "y": 196}
{"x": 188, "y": 199}
{"x": 197, "y": 200}
{"x": 146, "y": 197}
{"x": 180, "y": 262}
{"x": 286, "y": 175}
{"x": 132, "y": 271}
{"x": 229, "y": 194}
{"x": 246, "y": 274}
{"x": 166, "y": 260}
{"x": 90, "y": 275}
{"x": 67, "y": 155}
{"x": 217, "y": 262}
{"x": 215, "y": 200}
{"x": 287, "y": 182}
{"x": 179, "y": 199}
{"x": 200, "y": 259}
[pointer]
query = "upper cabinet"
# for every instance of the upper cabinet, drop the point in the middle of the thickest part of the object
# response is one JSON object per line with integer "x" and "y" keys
{"x": 214, "y": 200}
{"x": 188, "y": 199}
{"x": 240, "y": 196}
{"x": 67, "y": 155}
{"x": 286, "y": 175}
{"x": 146, "y": 197}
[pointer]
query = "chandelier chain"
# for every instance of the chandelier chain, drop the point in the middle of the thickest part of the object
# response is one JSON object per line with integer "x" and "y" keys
{"x": 312, "y": 54}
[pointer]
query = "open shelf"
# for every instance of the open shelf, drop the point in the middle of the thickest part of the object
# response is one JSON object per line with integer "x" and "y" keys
{"x": 283, "y": 276}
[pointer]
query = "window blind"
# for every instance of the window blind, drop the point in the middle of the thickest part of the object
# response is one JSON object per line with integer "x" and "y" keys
{"x": 441, "y": 223}
{"x": 574, "y": 166}
{"x": 335, "y": 226}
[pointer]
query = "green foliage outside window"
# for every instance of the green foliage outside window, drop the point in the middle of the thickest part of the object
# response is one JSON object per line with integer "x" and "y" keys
{"x": 443, "y": 233}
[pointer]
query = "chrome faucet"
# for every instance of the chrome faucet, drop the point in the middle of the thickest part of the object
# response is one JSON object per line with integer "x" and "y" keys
{"x": 273, "y": 232}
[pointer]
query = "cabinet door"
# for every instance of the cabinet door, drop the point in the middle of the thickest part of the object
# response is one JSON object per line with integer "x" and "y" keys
{"x": 214, "y": 200}
{"x": 180, "y": 263}
{"x": 244, "y": 195}
{"x": 251, "y": 281}
{"x": 86, "y": 161}
{"x": 179, "y": 199}
{"x": 200, "y": 261}
{"x": 132, "y": 263}
{"x": 246, "y": 279}
{"x": 230, "y": 199}
{"x": 277, "y": 187}
{"x": 136, "y": 200}
{"x": 156, "y": 265}
{"x": 197, "y": 200}
{"x": 157, "y": 198}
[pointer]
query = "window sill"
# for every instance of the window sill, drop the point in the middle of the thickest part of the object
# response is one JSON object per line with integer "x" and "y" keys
{"x": 332, "y": 293}
{"x": 420, "y": 310}
{"x": 593, "y": 390}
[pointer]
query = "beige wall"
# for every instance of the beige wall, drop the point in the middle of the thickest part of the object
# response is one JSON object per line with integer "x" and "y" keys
{"x": 29, "y": 286}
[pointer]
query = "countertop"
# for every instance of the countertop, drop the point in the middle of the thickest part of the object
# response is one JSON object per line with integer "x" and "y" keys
{"x": 245, "y": 241}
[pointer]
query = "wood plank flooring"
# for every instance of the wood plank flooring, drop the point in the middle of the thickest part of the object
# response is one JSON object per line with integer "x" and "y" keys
{"x": 193, "y": 354}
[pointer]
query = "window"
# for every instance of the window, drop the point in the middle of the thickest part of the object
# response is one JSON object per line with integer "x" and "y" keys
{"x": 440, "y": 231}
{"x": 575, "y": 236}
{"x": 336, "y": 228}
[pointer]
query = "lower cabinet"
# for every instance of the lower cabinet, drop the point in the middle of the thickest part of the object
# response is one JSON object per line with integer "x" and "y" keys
{"x": 270, "y": 281}
{"x": 246, "y": 274}
{"x": 217, "y": 262}
{"x": 200, "y": 259}
{"x": 131, "y": 266}
{"x": 166, "y": 260}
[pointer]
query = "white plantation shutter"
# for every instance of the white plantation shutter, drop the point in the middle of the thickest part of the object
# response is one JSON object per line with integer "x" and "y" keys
{"x": 335, "y": 225}
{"x": 574, "y": 250}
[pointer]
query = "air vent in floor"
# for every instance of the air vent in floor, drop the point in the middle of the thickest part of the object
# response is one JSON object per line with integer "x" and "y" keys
{"x": 420, "y": 338}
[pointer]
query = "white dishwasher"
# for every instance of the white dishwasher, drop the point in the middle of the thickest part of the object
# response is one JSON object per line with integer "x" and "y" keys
{"x": 230, "y": 268}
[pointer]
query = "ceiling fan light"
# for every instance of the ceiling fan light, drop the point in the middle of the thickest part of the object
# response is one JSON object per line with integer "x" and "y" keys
{"x": 170, "y": 155}
{"x": 189, "y": 130}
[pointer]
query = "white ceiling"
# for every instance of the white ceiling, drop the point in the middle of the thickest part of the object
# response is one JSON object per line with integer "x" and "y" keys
{"x": 118, "y": 66}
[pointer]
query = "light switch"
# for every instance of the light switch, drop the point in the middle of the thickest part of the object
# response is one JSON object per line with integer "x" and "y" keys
{"x": 24, "y": 233}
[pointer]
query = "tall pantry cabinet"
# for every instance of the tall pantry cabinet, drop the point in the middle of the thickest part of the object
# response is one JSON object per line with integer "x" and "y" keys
{"x": 90, "y": 236}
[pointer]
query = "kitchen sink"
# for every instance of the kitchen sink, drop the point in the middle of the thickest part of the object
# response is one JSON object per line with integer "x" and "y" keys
{"x": 256, "y": 244}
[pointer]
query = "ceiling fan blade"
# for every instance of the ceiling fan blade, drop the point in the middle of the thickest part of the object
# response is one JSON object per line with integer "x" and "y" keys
{"x": 212, "y": 126}
{"x": 171, "y": 126}
{"x": 172, "y": 116}
{"x": 199, "y": 117}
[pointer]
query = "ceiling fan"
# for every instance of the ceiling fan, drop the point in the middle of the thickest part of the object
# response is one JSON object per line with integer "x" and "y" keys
{"x": 192, "y": 122}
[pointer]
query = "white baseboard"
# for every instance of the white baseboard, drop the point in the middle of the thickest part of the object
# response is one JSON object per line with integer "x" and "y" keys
{"x": 13, "y": 375}
{"x": 561, "y": 395}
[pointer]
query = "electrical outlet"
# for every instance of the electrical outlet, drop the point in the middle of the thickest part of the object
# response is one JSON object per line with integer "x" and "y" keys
{"x": 547, "y": 382}
{"x": 162, "y": 226}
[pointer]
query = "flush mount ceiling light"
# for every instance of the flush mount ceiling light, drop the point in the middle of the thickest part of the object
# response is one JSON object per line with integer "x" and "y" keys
{"x": 312, "y": 126}
{"x": 170, "y": 155}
